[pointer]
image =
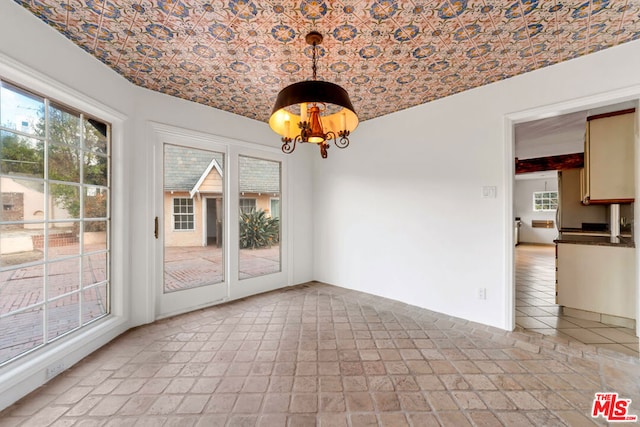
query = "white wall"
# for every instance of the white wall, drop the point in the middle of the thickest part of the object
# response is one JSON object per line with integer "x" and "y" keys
{"x": 523, "y": 208}
{"x": 36, "y": 46}
{"x": 400, "y": 213}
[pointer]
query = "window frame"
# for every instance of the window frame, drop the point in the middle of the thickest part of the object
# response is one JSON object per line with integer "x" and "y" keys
{"x": 545, "y": 196}
{"x": 174, "y": 214}
{"x": 85, "y": 151}
{"x": 271, "y": 200}
{"x": 26, "y": 373}
{"x": 242, "y": 208}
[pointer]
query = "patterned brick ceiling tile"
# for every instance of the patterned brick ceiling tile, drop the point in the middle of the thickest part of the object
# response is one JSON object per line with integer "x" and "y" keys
{"x": 236, "y": 55}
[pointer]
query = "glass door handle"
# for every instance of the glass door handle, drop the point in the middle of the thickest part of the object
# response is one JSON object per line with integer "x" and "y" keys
{"x": 155, "y": 231}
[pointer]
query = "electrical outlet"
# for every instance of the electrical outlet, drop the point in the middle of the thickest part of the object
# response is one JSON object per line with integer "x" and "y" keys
{"x": 482, "y": 293}
{"x": 55, "y": 369}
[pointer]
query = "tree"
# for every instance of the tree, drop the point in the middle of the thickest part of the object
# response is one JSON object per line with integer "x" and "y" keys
{"x": 257, "y": 230}
{"x": 64, "y": 160}
{"x": 21, "y": 155}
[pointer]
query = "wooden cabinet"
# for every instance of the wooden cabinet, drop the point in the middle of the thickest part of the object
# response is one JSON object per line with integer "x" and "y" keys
{"x": 609, "y": 158}
{"x": 594, "y": 278}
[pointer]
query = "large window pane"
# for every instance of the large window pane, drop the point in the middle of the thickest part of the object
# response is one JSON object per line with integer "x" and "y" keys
{"x": 63, "y": 240}
{"x": 94, "y": 269}
{"x": 66, "y": 201}
{"x": 95, "y": 303}
{"x": 95, "y": 136}
{"x": 95, "y": 236}
{"x": 259, "y": 225}
{"x": 63, "y": 315}
{"x": 21, "y": 288}
{"x": 64, "y": 163}
{"x": 95, "y": 202}
{"x": 46, "y": 213}
{"x": 193, "y": 218}
{"x": 95, "y": 169}
{"x": 21, "y": 332}
{"x": 22, "y": 200}
{"x": 20, "y": 246}
{"x": 63, "y": 277}
{"x": 64, "y": 126}
{"x": 21, "y": 155}
{"x": 20, "y": 110}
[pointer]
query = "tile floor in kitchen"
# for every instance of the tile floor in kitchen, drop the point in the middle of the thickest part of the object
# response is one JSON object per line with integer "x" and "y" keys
{"x": 536, "y": 310}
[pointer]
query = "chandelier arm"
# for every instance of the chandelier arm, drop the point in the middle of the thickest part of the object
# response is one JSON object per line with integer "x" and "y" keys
{"x": 323, "y": 149}
{"x": 288, "y": 144}
{"x": 343, "y": 141}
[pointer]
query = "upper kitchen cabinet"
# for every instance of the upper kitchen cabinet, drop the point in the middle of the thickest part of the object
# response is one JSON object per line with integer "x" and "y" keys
{"x": 609, "y": 158}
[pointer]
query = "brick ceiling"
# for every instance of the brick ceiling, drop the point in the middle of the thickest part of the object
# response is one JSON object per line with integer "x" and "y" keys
{"x": 389, "y": 55}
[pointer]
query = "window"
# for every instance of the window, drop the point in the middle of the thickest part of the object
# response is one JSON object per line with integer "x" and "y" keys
{"x": 247, "y": 205}
{"x": 545, "y": 201}
{"x": 275, "y": 208}
{"x": 183, "y": 218}
{"x": 55, "y": 239}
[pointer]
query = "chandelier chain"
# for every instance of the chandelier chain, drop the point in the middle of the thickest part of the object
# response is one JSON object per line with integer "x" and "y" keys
{"x": 314, "y": 67}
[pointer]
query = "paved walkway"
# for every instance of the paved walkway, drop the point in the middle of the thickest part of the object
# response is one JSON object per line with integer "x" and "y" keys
{"x": 193, "y": 266}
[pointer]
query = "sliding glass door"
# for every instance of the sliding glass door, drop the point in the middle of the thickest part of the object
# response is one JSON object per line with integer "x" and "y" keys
{"x": 220, "y": 230}
{"x": 260, "y": 231}
{"x": 192, "y": 224}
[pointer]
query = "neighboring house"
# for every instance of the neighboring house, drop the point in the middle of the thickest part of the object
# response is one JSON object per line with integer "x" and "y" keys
{"x": 24, "y": 199}
{"x": 193, "y": 194}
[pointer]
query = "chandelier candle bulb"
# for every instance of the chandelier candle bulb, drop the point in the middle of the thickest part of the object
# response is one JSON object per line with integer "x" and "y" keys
{"x": 303, "y": 112}
{"x": 286, "y": 128}
{"x": 343, "y": 121}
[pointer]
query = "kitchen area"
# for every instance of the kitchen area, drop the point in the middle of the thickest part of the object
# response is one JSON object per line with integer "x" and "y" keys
{"x": 595, "y": 250}
{"x": 593, "y": 233}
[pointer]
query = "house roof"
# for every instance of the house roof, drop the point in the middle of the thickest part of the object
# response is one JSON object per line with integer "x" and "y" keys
{"x": 185, "y": 167}
{"x": 259, "y": 176}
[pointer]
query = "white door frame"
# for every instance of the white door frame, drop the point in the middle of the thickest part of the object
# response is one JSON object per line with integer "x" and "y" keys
{"x": 580, "y": 104}
{"x": 254, "y": 285}
{"x": 166, "y": 134}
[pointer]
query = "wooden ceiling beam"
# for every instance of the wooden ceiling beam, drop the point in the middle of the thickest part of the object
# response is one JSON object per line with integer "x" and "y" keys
{"x": 550, "y": 163}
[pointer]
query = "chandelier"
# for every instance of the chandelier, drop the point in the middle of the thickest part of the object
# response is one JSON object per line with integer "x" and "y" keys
{"x": 313, "y": 111}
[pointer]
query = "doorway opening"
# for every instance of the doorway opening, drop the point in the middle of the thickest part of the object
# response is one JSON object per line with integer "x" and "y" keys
{"x": 213, "y": 221}
{"x": 536, "y": 307}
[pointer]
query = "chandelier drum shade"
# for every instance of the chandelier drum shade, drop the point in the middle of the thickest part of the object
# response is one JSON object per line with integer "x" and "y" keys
{"x": 313, "y": 111}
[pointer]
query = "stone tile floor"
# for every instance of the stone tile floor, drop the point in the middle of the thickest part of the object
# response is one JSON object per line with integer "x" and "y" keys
{"x": 319, "y": 355}
{"x": 536, "y": 309}
{"x": 22, "y": 291}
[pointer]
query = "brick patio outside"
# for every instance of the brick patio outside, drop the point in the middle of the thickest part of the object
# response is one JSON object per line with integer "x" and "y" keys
{"x": 185, "y": 268}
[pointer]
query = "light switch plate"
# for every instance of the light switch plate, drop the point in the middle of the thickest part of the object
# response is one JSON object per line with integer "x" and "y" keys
{"x": 489, "y": 192}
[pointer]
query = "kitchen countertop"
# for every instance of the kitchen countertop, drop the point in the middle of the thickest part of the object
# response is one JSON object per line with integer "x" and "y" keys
{"x": 578, "y": 238}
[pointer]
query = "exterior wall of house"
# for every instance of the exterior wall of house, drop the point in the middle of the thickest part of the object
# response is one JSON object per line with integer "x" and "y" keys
{"x": 263, "y": 201}
{"x": 33, "y": 207}
{"x": 183, "y": 238}
{"x": 212, "y": 183}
